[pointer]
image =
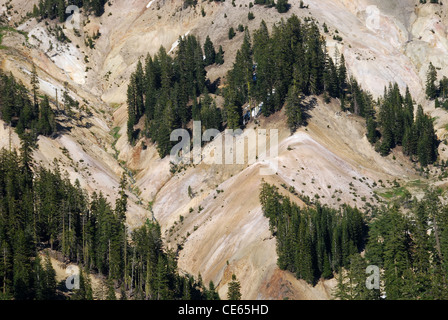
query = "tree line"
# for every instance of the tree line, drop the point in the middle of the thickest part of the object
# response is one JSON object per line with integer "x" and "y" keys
{"x": 290, "y": 60}
{"x": 282, "y": 68}
{"x": 407, "y": 242}
{"x": 40, "y": 208}
{"x": 399, "y": 128}
{"x": 436, "y": 91}
{"x": 312, "y": 243}
{"x": 274, "y": 70}
{"x": 409, "y": 245}
{"x": 56, "y": 9}
{"x": 285, "y": 65}
{"x": 29, "y": 115}
{"x": 166, "y": 90}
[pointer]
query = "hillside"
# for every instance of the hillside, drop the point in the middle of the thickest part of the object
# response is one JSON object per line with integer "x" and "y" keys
{"x": 330, "y": 157}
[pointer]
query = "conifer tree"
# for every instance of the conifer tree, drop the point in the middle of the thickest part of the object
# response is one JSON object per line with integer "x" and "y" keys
{"x": 46, "y": 123}
{"x": 22, "y": 271}
{"x": 293, "y": 109}
{"x": 431, "y": 78}
{"x": 212, "y": 294}
{"x": 186, "y": 289}
{"x": 234, "y": 289}
{"x": 342, "y": 76}
{"x": 231, "y": 33}
{"x": 209, "y": 52}
{"x": 35, "y": 85}
{"x": 233, "y": 114}
{"x": 110, "y": 291}
{"x": 282, "y": 6}
{"x": 372, "y": 135}
{"x": 61, "y": 10}
{"x": 45, "y": 279}
{"x": 85, "y": 291}
{"x": 219, "y": 59}
{"x": 162, "y": 290}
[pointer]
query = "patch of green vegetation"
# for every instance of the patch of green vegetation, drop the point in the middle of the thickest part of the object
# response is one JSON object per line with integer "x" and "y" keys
{"x": 115, "y": 105}
{"x": 417, "y": 184}
{"x": 439, "y": 191}
{"x": 115, "y": 133}
{"x": 400, "y": 192}
{"x": 5, "y": 29}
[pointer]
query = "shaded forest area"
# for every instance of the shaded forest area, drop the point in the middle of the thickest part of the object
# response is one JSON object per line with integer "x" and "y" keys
{"x": 52, "y": 9}
{"x": 408, "y": 242}
{"x": 30, "y": 116}
{"x": 41, "y": 209}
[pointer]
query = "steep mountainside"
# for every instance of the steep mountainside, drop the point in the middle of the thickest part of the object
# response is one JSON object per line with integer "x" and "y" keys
{"x": 225, "y": 231}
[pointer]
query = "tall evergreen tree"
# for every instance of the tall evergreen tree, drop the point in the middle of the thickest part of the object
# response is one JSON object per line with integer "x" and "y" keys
{"x": 234, "y": 289}
{"x": 293, "y": 109}
{"x": 431, "y": 78}
{"x": 209, "y": 52}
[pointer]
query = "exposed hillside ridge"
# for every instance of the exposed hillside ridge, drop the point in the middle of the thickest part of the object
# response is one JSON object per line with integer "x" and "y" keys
{"x": 230, "y": 228}
{"x": 84, "y": 148}
{"x": 130, "y": 30}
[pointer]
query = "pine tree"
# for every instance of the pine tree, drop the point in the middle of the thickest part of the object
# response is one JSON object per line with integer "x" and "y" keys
{"x": 132, "y": 110}
{"x": 342, "y": 76}
{"x": 39, "y": 281}
{"x": 431, "y": 78}
{"x": 234, "y": 289}
{"x": 372, "y": 135}
{"x": 61, "y": 10}
{"x": 5, "y": 265}
{"x": 186, "y": 289}
{"x": 46, "y": 123}
{"x": 293, "y": 109}
{"x": 35, "y": 86}
{"x": 219, "y": 58}
{"x": 352, "y": 282}
{"x": 341, "y": 291}
{"x": 122, "y": 202}
{"x": 304, "y": 258}
{"x": 22, "y": 273}
{"x": 212, "y": 294}
{"x": 209, "y": 52}
{"x": 233, "y": 114}
{"x": 282, "y": 6}
{"x": 396, "y": 259}
{"x": 123, "y": 294}
{"x": 35, "y": 11}
{"x": 231, "y": 33}
{"x": 85, "y": 290}
{"x": 331, "y": 79}
{"x": 264, "y": 64}
{"x": 45, "y": 279}
{"x": 110, "y": 290}
{"x": 162, "y": 280}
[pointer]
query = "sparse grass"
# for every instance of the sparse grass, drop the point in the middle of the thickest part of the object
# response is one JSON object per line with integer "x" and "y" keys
{"x": 400, "y": 192}
{"x": 115, "y": 133}
{"x": 417, "y": 184}
{"x": 114, "y": 105}
{"x": 4, "y": 29}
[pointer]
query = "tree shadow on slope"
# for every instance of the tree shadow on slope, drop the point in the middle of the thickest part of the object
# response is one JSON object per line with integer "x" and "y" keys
{"x": 306, "y": 107}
